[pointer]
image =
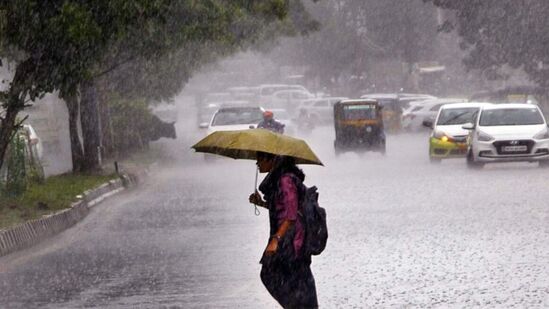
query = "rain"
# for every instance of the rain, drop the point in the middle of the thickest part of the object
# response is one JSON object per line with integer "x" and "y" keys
{"x": 422, "y": 124}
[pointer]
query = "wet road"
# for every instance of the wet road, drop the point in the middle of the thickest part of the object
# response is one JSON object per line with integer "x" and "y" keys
{"x": 404, "y": 233}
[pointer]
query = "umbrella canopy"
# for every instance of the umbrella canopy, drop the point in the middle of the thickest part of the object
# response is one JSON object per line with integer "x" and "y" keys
{"x": 244, "y": 144}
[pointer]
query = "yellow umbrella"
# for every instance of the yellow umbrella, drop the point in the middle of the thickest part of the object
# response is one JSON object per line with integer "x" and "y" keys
{"x": 244, "y": 144}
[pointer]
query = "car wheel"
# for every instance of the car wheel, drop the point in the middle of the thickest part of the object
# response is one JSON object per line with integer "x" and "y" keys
{"x": 471, "y": 163}
{"x": 543, "y": 163}
{"x": 432, "y": 159}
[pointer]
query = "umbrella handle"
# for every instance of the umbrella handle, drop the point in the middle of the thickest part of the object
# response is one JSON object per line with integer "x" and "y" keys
{"x": 256, "y": 175}
{"x": 256, "y": 211}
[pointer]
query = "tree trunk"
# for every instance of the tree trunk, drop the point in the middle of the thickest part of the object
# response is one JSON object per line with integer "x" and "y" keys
{"x": 76, "y": 146}
{"x": 91, "y": 126}
{"x": 105, "y": 116}
{"x": 15, "y": 102}
{"x": 7, "y": 127}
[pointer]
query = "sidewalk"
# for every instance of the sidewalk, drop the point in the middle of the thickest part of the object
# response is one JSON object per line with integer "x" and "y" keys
{"x": 50, "y": 208}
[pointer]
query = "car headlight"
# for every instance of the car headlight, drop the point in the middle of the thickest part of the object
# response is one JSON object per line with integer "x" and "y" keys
{"x": 483, "y": 137}
{"x": 442, "y": 136}
{"x": 544, "y": 134}
{"x": 438, "y": 134}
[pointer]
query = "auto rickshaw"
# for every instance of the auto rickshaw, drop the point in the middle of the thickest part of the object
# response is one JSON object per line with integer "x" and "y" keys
{"x": 359, "y": 126}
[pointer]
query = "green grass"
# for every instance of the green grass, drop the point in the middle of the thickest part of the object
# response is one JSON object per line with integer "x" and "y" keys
{"x": 58, "y": 192}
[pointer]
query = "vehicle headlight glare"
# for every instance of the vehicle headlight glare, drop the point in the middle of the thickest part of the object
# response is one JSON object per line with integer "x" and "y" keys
{"x": 442, "y": 136}
{"x": 439, "y": 134}
{"x": 483, "y": 137}
{"x": 544, "y": 134}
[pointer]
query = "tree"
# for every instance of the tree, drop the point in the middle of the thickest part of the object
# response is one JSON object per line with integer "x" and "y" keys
{"x": 355, "y": 34}
{"x": 65, "y": 45}
{"x": 500, "y": 33}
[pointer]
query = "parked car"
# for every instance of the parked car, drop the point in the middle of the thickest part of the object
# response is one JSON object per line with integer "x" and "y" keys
{"x": 448, "y": 139}
{"x": 321, "y": 110}
{"x": 413, "y": 118}
{"x": 508, "y": 132}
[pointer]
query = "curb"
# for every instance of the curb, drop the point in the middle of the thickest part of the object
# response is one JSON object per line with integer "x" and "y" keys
{"x": 32, "y": 232}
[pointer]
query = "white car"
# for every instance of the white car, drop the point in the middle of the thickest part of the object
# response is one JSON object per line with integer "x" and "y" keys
{"x": 288, "y": 99}
{"x": 266, "y": 92}
{"x": 412, "y": 119}
{"x": 235, "y": 118}
{"x": 508, "y": 132}
{"x": 321, "y": 110}
{"x": 205, "y": 112}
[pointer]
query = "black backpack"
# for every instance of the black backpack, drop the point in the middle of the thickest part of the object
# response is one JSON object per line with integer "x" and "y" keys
{"x": 314, "y": 221}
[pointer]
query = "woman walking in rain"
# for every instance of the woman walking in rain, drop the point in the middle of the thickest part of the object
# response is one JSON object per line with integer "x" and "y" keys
{"x": 285, "y": 271}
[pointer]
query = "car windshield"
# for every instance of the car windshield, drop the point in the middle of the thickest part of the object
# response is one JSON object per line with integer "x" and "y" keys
{"x": 229, "y": 117}
{"x": 359, "y": 112}
{"x": 456, "y": 116}
{"x": 511, "y": 117}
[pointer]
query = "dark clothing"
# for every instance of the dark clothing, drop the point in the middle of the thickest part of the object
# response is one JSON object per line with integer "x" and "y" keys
{"x": 286, "y": 275}
{"x": 292, "y": 285}
{"x": 271, "y": 125}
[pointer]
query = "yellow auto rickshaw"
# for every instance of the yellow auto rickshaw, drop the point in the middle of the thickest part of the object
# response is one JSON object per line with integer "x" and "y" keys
{"x": 359, "y": 126}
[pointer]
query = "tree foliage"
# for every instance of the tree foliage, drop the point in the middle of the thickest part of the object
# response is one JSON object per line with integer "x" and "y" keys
{"x": 500, "y": 33}
{"x": 358, "y": 33}
{"x": 60, "y": 44}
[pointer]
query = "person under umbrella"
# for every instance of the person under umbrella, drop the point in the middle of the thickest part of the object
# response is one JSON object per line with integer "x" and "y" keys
{"x": 286, "y": 271}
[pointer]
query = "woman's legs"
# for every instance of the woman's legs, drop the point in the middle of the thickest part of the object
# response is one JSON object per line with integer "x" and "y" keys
{"x": 291, "y": 287}
{"x": 303, "y": 292}
{"x": 275, "y": 280}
